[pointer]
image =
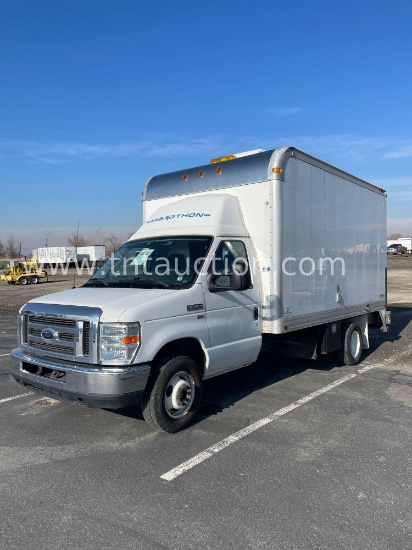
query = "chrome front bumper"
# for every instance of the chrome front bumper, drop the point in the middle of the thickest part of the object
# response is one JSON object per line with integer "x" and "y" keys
{"x": 110, "y": 388}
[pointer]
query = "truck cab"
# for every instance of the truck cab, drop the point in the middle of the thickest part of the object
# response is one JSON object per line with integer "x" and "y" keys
{"x": 176, "y": 304}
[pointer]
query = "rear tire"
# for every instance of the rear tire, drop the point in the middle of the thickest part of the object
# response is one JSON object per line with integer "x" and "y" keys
{"x": 34, "y": 280}
{"x": 23, "y": 281}
{"x": 173, "y": 394}
{"x": 352, "y": 345}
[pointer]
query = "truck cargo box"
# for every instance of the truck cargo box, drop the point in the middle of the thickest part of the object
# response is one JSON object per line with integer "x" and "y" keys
{"x": 319, "y": 233}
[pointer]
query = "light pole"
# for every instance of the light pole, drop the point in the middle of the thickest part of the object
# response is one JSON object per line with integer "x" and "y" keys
{"x": 75, "y": 262}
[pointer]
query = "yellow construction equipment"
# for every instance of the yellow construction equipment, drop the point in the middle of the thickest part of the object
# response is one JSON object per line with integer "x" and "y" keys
{"x": 23, "y": 273}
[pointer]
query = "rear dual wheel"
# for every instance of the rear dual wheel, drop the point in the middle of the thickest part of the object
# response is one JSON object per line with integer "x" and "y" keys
{"x": 352, "y": 345}
{"x": 173, "y": 394}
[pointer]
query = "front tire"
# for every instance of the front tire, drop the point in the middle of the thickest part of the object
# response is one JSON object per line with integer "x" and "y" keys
{"x": 34, "y": 280}
{"x": 352, "y": 345}
{"x": 23, "y": 281}
{"x": 173, "y": 394}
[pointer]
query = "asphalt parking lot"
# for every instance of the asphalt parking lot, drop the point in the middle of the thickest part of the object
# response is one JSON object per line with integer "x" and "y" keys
{"x": 321, "y": 459}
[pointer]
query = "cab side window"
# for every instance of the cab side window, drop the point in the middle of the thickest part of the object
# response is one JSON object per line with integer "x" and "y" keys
{"x": 230, "y": 257}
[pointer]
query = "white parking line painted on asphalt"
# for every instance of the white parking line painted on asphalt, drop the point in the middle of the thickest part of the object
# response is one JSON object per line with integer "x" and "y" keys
{"x": 15, "y": 397}
{"x": 204, "y": 455}
{"x": 4, "y": 354}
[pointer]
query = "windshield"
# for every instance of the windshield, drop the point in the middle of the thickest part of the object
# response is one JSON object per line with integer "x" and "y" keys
{"x": 163, "y": 262}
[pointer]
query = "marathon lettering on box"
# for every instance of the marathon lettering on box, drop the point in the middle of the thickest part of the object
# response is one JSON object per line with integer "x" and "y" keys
{"x": 177, "y": 216}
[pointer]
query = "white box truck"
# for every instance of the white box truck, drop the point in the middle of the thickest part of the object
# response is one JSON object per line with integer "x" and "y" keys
{"x": 273, "y": 250}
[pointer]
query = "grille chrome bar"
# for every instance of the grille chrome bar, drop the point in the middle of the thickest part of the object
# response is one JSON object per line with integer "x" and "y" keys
{"x": 49, "y": 320}
{"x": 50, "y": 347}
{"x": 79, "y": 338}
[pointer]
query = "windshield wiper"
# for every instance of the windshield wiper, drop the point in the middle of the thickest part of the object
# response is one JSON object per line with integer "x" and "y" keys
{"x": 149, "y": 280}
{"x": 93, "y": 282}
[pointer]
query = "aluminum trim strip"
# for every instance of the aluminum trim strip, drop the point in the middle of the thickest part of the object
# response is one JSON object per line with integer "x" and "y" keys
{"x": 314, "y": 319}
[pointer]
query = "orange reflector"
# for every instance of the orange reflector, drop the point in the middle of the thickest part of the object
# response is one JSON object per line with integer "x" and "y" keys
{"x": 130, "y": 340}
{"x": 218, "y": 169}
{"x": 185, "y": 176}
{"x": 201, "y": 173}
{"x": 277, "y": 170}
{"x": 222, "y": 159}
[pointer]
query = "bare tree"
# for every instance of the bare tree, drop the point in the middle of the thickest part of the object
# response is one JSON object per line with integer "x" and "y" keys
{"x": 2, "y": 250}
{"x": 46, "y": 238}
{"x": 12, "y": 247}
{"x": 97, "y": 237}
{"x": 112, "y": 244}
{"x": 19, "y": 245}
{"x": 77, "y": 240}
{"x": 394, "y": 236}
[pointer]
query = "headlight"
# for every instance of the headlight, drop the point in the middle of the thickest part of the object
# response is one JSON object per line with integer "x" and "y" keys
{"x": 119, "y": 343}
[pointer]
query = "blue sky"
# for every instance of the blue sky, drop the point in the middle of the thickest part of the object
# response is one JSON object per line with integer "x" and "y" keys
{"x": 96, "y": 96}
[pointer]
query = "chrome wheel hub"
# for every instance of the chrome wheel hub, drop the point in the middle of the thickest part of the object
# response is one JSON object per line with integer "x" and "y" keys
{"x": 179, "y": 394}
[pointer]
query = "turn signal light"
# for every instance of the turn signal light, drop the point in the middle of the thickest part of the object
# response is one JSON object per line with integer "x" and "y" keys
{"x": 130, "y": 340}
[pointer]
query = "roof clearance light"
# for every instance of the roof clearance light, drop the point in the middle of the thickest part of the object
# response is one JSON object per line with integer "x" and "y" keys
{"x": 185, "y": 177}
{"x": 222, "y": 159}
{"x": 236, "y": 156}
{"x": 277, "y": 170}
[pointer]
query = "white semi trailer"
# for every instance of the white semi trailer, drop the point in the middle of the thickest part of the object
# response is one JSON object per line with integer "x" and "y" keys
{"x": 55, "y": 255}
{"x": 270, "y": 250}
{"x": 91, "y": 253}
{"x": 63, "y": 255}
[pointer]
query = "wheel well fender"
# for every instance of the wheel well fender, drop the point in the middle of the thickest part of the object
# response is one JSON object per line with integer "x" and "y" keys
{"x": 189, "y": 347}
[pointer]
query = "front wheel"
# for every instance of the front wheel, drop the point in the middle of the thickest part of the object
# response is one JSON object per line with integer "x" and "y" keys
{"x": 173, "y": 394}
{"x": 352, "y": 345}
{"x": 23, "y": 281}
{"x": 34, "y": 280}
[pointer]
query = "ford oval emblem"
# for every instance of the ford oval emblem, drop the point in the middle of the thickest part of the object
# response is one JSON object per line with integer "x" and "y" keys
{"x": 49, "y": 334}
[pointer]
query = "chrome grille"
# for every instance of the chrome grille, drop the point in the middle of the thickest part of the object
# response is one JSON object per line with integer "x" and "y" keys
{"x": 70, "y": 337}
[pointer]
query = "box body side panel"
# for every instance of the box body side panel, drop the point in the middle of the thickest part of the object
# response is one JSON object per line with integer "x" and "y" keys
{"x": 334, "y": 243}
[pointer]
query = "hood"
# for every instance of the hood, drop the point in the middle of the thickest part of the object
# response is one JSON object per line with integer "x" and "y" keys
{"x": 113, "y": 301}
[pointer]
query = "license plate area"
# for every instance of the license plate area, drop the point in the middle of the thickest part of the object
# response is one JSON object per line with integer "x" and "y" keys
{"x": 45, "y": 372}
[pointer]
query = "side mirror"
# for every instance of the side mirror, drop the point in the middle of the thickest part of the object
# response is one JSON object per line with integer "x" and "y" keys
{"x": 220, "y": 283}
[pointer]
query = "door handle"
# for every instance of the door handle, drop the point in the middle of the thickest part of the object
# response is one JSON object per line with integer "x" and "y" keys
{"x": 255, "y": 313}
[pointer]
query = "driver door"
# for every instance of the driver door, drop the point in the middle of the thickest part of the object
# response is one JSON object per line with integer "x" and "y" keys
{"x": 233, "y": 316}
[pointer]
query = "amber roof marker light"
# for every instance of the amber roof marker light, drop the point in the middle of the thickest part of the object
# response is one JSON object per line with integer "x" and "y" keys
{"x": 236, "y": 156}
{"x": 223, "y": 159}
